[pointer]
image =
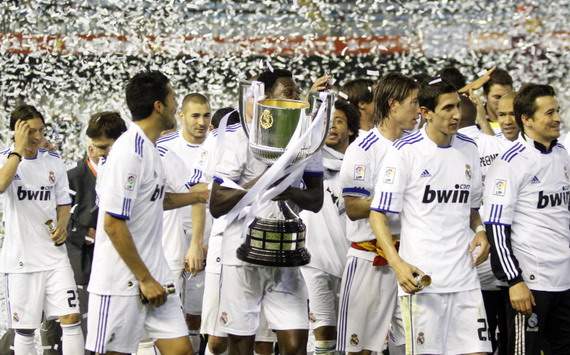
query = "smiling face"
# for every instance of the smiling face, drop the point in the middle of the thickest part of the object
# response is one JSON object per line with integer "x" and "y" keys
{"x": 544, "y": 125}
{"x": 36, "y": 134}
{"x": 506, "y": 117}
{"x": 496, "y": 92}
{"x": 339, "y": 134}
{"x": 196, "y": 118}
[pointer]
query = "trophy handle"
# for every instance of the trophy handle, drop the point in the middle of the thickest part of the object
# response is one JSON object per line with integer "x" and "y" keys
{"x": 316, "y": 100}
{"x": 249, "y": 90}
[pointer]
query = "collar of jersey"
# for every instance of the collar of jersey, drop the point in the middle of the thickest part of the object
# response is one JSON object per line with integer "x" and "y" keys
{"x": 188, "y": 144}
{"x": 432, "y": 143}
{"x": 539, "y": 146}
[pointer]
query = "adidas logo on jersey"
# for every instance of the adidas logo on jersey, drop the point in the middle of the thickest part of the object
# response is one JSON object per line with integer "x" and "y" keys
{"x": 553, "y": 200}
{"x": 425, "y": 173}
{"x": 43, "y": 194}
{"x": 460, "y": 194}
{"x": 17, "y": 177}
{"x": 534, "y": 180}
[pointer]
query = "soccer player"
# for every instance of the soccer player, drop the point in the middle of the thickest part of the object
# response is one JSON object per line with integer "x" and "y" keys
{"x": 326, "y": 233}
{"x": 103, "y": 129}
{"x": 184, "y": 228}
{"x": 359, "y": 93}
{"x": 500, "y": 83}
{"x": 368, "y": 290}
{"x": 129, "y": 266}
{"x": 506, "y": 118}
{"x": 527, "y": 196}
{"x": 494, "y": 296}
{"x": 432, "y": 179}
{"x": 34, "y": 184}
{"x": 247, "y": 290}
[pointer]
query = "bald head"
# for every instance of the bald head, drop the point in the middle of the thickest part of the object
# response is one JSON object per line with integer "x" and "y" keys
{"x": 506, "y": 117}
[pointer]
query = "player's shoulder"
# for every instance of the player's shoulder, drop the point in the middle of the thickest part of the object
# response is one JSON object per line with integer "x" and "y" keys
{"x": 236, "y": 127}
{"x": 408, "y": 141}
{"x": 366, "y": 144}
{"x": 50, "y": 155}
{"x": 168, "y": 139}
{"x": 464, "y": 140}
{"x": 5, "y": 151}
{"x": 130, "y": 144}
{"x": 513, "y": 152}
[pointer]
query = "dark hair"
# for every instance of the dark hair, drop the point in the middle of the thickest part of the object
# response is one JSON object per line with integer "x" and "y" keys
{"x": 358, "y": 90}
{"x": 269, "y": 77}
{"x": 431, "y": 90}
{"x": 392, "y": 86}
{"x": 196, "y": 98}
{"x": 219, "y": 114}
{"x": 468, "y": 112}
{"x": 143, "y": 90}
{"x": 106, "y": 124}
{"x": 352, "y": 116}
{"x": 24, "y": 112}
{"x": 525, "y": 101}
{"x": 499, "y": 77}
{"x": 453, "y": 76}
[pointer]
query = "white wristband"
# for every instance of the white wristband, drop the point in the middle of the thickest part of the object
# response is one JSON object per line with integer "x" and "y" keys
{"x": 480, "y": 228}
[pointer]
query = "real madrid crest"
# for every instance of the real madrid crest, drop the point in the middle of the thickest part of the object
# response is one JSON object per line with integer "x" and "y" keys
{"x": 566, "y": 173}
{"x": 266, "y": 119}
{"x": 468, "y": 171}
{"x": 51, "y": 177}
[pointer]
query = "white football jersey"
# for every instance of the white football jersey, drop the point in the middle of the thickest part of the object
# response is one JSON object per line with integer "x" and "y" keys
{"x": 179, "y": 158}
{"x": 238, "y": 164}
{"x": 326, "y": 229}
{"x": 39, "y": 186}
{"x": 488, "y": 146}
{"x": 130, "y": 186}
{"x": 434, "y": 189}
{"x": 358, "y": 176}
{"x": 528, "y": 189}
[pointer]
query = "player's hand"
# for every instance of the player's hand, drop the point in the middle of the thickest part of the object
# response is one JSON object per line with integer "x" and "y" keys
{"x": 406, "y": 275}
{"x": 522, "y": 299}
{"x": 202, "y": 192}
{"x": 153, "y": 292}
{"x": 479, "y": 82}
{"x": 195, "y": 260}
{"x": 479, "y": 248}
{"x": 21, "y": 136}
{"x": 59, "y": 235}
{"x": 321, "y": 83}
{"x": 481, "y": 112}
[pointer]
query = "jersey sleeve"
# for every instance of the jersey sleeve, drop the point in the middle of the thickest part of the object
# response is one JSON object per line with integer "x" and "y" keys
{"x": 121, "y": 182}
{"x": 500, "y": 196}
{"x": 315, "y": 166}
{"x": 356, "y": 176}
{"x": 233, "y": 158}
{"x": 476, "y": 182}
{"x": 391, "y": 183}
{"x": 176, "y": 173}
{"x": 62, "y": 196}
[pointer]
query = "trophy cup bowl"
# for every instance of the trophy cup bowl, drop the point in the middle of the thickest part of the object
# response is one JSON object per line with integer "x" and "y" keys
{"x": 278, "y": 240}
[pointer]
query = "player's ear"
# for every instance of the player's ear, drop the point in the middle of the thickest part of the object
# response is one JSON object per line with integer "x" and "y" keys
{"x": 158, "y": 106}
{"x": 526, "y": 121}
{"x": 424, "y": 111}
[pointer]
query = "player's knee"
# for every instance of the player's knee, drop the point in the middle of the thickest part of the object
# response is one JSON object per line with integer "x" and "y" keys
{"x": 70, "y": 319}
{"x": 25, "y": 332}
{"x": 217, "y": 345}
{"x": 293, "y": 346}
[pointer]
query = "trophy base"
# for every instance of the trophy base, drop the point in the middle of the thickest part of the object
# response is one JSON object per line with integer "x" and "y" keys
{"x": 275, "y": 242}
{"x": 288, "y": 258}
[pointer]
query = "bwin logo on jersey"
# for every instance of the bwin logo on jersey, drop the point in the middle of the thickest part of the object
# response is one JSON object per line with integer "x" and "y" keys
{"x": 158, "y": 193}
{"x": 553, "y": 200}
{"x": 459, "y": 194}
{"x": 43, "y": 194}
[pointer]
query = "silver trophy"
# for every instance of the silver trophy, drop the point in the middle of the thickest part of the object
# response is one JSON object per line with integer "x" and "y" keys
{"x": 277, "y": 237}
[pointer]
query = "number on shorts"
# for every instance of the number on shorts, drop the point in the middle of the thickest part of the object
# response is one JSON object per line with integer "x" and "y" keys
{"x": 72, "y": 299}
{"x": 482, "y": 331}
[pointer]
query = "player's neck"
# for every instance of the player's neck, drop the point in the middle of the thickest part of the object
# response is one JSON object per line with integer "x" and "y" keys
{"x": 439, "y": 138}
{"x": 30, "y": 153}
{"x": 191, "y": 139}
{"x": 151, "y": 128}
{"x": 538, "y": 138}
{"x": 390, "y": 130}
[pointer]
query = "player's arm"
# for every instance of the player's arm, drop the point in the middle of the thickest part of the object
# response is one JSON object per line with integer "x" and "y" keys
{"x": 311, "y": 198}
{"x": 501, "y": 193}
{"x": 194, "y": 260}
{"x": 21, "y": 140}
{"x": 479, "y": 246}
{"x": 60, "y": 233}
{"x": 357, "y": 207}
{"x": 198, "y": 194}
{"x": 223, "y": 198}
{"x": 120, "y": 236}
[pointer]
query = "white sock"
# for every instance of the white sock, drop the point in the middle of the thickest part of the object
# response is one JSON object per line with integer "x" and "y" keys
{"x": 323, "y": 347}
{"x": 195, "y": 340}
{"x": 72, "y": 341}
{"x": 146, "y": 347}
{"x": 24, "y": 344}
